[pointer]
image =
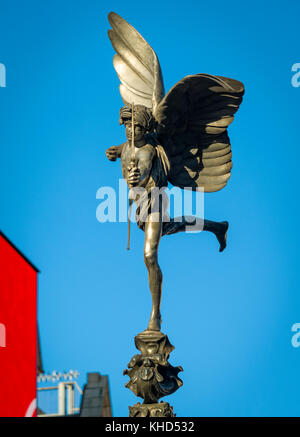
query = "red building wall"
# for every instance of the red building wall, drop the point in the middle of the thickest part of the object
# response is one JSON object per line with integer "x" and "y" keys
{"x": 18, "y": 332}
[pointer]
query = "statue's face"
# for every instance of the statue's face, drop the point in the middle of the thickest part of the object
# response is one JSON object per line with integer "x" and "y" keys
{"x": 139, "y": 131}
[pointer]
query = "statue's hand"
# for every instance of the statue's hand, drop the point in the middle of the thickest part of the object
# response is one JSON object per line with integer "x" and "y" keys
{"x": 112, "y": 153}
{"x": 134, "y": 176}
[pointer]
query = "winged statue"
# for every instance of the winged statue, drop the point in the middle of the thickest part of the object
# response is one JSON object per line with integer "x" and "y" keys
{"x": 179, "y": 138}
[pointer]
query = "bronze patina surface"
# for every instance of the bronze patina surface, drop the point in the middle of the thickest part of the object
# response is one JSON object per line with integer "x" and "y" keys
{"x": 179, "y": 137}
{"x": 151, "y": 375}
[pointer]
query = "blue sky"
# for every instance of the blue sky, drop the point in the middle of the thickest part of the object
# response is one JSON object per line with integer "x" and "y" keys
{"x": 229, "y": 315}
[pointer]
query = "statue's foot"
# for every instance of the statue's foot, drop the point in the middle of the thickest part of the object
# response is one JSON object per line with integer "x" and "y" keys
{"x": 221, "y": 235}
{"x": 154, "y": 324}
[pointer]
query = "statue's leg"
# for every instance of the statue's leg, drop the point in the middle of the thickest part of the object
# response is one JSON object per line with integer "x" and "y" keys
{"x": 187, "y": 223}
{"x": 219, "y": 229}
{"x": 153, "y": 232}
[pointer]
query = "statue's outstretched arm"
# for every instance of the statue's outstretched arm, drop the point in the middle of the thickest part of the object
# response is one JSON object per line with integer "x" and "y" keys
{"x": 114, "y": 152}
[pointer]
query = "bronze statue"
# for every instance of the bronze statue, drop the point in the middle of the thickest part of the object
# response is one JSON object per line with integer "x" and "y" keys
{"x": 179, "y": 137}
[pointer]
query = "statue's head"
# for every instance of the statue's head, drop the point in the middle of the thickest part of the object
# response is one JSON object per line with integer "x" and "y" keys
{"x": 143, "y": 121}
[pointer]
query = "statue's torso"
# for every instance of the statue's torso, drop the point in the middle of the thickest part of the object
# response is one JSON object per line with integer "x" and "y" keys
{"x": 146, "y": 155}
{"x": 142, "y": 157}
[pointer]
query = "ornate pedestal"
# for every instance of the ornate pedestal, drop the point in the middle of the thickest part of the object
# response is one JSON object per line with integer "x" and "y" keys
{"x": 152, "y": 376}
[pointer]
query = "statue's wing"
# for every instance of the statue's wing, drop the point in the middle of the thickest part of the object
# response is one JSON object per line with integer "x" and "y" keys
{"x": 136, "y": 64}
{"x": 192, "y": 127}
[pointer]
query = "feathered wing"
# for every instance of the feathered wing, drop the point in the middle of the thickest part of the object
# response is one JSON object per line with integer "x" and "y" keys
{"x": 136, "y": 64}
{"x": 192, "y": 127}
